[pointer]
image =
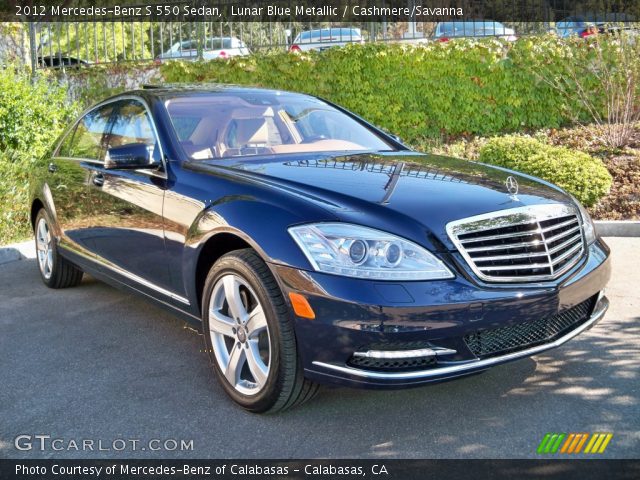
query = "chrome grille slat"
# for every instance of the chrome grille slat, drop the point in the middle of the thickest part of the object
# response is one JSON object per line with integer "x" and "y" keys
{"x": 509, "y": 257}
{"x": 562, "y": 234}
{"x": 504, "y": 247}
{"x": 504, "y": 235}
{"x": 560, "y": 225}
{"x": 525, "y": 244}
{"x": 567, "y": 254}
{"x": 564, "y": 244}
{"x": 525, "y": 266}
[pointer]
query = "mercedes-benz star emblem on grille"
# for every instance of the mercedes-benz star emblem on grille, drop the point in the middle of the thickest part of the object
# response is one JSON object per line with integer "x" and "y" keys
{"x": 512, "y": 186}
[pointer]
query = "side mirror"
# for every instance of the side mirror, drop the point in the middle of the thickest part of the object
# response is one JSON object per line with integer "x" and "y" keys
{"x": 130, "y": 156}
{"x": 397, "y": 138}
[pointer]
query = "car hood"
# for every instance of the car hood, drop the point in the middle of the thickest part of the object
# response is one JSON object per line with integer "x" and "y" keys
{"x": 422, "y": 191}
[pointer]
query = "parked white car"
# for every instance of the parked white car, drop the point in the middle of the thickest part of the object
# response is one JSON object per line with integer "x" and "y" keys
{"x": 214, "y": 47}
{"x": 324, "y": 38}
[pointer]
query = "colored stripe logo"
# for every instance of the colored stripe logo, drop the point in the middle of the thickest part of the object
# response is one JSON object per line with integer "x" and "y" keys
{"x": 573, "y": 443}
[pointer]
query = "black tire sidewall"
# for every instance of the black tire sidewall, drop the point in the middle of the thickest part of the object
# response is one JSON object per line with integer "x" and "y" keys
{"x": 265, "y": 399}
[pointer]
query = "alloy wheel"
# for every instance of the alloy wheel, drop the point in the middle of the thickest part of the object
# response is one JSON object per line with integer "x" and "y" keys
{"x": 239, "y": 334}
{"x": 44, "y": 247}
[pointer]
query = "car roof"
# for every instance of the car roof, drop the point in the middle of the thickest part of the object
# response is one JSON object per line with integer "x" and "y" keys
{"x": 471, "y": 22}
{"x": 169, "y": 90}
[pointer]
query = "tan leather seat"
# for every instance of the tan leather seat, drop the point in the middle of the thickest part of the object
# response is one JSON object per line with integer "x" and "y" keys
{"x": 251, "y": 132}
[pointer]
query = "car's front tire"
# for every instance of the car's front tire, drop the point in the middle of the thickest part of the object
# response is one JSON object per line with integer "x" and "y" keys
{"x": 249, "y": 335}
{"x": 55, "y": 271}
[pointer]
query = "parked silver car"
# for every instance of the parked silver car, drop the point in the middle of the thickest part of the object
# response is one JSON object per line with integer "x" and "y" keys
{"x": 214, "y": 47}
{"x": 324, "y": 38}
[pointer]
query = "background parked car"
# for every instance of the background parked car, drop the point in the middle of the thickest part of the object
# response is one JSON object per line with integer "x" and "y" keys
{"x": 592, "y": 23}
{"x": 324, "y": 38}
{"x": 215, "y": 47}
{"x": 474, "y": 28}
{"x": 60, "y": 60}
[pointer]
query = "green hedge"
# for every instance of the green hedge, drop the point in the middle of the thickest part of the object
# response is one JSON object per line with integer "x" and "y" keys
{"x": 32, "y": 115}
{"x": 427, "y": 91}
{"x": 580, "y": 174}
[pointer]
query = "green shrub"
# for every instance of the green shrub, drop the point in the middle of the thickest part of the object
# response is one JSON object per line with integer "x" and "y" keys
{"x": 31, "y": 115}
{"x": 433, "y": 90}
{"x": 580, "y": 174}
{"x": 14, "y": 197}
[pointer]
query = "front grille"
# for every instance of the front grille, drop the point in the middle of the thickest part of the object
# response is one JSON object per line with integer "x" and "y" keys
{"x": 534, "y": 243}
{"x": 503, "y": 340}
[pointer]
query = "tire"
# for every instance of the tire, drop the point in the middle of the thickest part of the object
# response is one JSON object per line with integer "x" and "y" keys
{"x": 249, "y": 335}
{"x": 55, "y": 271}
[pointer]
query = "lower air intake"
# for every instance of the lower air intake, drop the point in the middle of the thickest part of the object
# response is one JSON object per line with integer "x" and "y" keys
{"x": 503, "y": 340}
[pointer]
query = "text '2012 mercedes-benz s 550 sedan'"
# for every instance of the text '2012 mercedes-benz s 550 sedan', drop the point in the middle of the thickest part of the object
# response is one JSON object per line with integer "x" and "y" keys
{"x": 311, "y": 246}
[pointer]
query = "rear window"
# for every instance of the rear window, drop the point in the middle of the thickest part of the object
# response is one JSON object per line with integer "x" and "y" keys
{"x": 471, "y": 29}
{"x": 330, "y": 34}
{"x": 217, "y": 43}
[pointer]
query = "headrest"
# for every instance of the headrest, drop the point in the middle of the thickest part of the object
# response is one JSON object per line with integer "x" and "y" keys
{"x": 254, "y": 131}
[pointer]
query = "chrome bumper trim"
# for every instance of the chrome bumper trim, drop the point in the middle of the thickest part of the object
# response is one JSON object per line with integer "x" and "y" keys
{"x": 472, "y": 365}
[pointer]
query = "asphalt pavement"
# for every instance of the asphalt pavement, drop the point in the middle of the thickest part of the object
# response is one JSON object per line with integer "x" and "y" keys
{"x": 95, "y": 364}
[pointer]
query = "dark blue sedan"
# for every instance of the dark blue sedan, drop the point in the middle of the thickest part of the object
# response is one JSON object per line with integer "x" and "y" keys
{"x": 311, "y": 246}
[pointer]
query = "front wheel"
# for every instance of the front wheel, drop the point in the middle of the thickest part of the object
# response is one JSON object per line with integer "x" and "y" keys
{"x": 249, "y": 335}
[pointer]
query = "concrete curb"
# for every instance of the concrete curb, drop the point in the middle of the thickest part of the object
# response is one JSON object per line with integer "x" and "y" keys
{"x": 618, "y": 228}
{"x": 17, "y": 251}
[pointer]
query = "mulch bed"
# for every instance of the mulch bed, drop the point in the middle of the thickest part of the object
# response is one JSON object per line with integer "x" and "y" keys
{"x": 623, "y": 202}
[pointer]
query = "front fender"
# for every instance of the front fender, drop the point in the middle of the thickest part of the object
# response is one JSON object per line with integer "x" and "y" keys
{"x": 260, "y": 224}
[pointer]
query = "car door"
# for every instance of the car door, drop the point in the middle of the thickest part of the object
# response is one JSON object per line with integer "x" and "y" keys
{"x": 128, "y": 229}
{"x": 68, "y": 177}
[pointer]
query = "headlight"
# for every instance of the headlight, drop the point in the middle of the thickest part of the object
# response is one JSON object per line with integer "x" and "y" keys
{"x": 587, "y": 224}
{"x": 355, "y": 251}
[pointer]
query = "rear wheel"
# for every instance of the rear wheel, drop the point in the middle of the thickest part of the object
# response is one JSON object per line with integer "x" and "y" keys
{"x": 250, "y": 337}
{"x": 56, "y": 272}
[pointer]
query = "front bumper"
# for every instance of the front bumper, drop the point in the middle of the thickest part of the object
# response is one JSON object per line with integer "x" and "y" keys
{"x": 353, "y": 315}
{"x": 464, "y": 368}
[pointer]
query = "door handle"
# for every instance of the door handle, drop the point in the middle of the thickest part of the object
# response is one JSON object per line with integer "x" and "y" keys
{"x": 53, "y": 167}
{"x": 98, "y": 180}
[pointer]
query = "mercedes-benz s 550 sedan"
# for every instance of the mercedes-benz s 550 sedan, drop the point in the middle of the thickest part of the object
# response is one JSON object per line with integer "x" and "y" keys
{"x": 309, "y": 245}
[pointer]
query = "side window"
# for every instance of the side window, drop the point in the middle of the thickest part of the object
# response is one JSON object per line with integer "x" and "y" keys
{"x": 132, "y": 125}
{"x": 88, "y": 138}
{"x": 65, "y": 146}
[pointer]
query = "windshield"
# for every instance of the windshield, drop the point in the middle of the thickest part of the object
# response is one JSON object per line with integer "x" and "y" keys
{"x": 231, "y": 124}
